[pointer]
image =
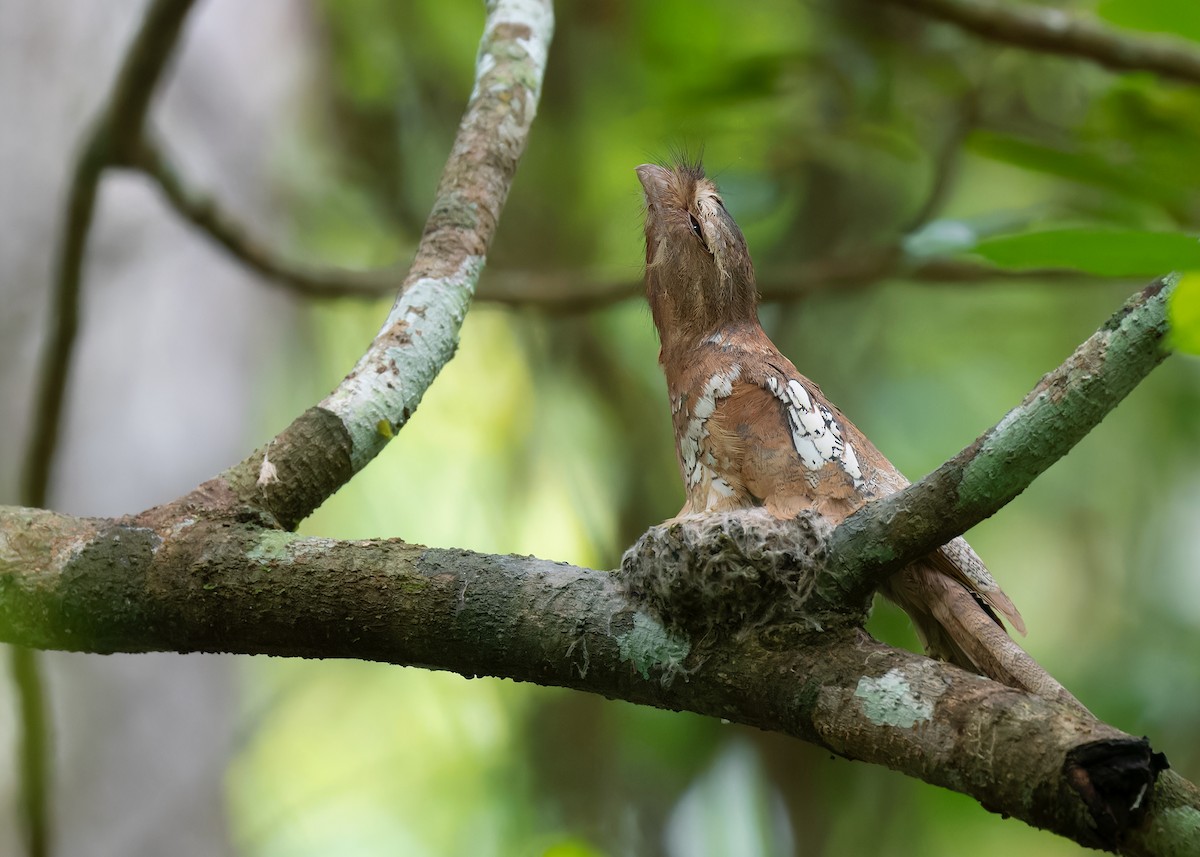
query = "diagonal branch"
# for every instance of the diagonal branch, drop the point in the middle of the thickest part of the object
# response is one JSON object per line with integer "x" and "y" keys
{"x": 1064, "y": 406}
{"x": 217, "y": 584}
{"x": 330, "y": 442}
{"x": 1053, "y": 31}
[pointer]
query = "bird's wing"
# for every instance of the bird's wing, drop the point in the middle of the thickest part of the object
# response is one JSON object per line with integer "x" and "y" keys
{"x": 788, "y": 448}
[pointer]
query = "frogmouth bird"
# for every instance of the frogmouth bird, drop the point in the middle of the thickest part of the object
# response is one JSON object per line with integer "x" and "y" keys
{"x": 750, "y": 430}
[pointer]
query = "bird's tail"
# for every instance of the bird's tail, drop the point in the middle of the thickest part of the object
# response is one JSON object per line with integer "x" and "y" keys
{"x": 957, "y": 626}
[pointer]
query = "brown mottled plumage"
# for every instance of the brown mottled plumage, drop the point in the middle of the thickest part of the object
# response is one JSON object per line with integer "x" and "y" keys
{"x": 750, "y": 430}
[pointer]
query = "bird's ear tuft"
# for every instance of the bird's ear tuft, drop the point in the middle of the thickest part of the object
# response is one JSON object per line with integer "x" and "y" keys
{"x": 687, "y": 164}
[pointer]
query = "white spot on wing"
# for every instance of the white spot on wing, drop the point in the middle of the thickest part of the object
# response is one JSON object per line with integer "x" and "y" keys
{"x": 809, "y": 454}
{"x": 816, "y": 434}
{"x": 718, "y": 490}
{"x": 798, "y": 395}
{"x": 813, "y": 424}
{"x": 850, "y": 462}
{"x": 717, "y": 387}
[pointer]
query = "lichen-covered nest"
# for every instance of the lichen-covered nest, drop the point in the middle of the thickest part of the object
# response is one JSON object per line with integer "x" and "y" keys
{"x": 727, "y": 572}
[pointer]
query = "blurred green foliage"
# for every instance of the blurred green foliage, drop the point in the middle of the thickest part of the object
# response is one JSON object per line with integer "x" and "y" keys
{"x": 833, "y": 128}
{"x": 1185, "y": 314}
{"x": 1104, "y": 252}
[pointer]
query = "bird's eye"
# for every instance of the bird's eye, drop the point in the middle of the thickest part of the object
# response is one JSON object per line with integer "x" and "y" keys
{"x": 696, "y": 229}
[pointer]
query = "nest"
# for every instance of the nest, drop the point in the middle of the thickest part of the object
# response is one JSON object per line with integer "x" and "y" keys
{"x": 728, "y": 572}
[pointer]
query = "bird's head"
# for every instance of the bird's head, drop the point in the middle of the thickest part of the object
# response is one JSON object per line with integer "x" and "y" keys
{"x": 699, "y": 276}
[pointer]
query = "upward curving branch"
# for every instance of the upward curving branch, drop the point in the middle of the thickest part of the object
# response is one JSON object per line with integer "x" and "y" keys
{"x": 330, "y": 442}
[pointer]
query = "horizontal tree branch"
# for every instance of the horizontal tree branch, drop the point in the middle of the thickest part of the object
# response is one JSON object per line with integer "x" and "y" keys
{"x": 1050, "y": 30}
{"x": 563, "y": 292}
{"x": 223, "y": 584}
{"x": 1061, "y": 409}
{"x": 554, "y": 292}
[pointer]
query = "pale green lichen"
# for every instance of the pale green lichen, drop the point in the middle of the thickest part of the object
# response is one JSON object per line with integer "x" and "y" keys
{"x": 891, "y": 700}
{"x": 272, "y": 546}
{"x": 1180, "y": 824}
{"x": 279, "y": 547}
{"x": 649, "y": 644}
{"x": 417, "y": 340}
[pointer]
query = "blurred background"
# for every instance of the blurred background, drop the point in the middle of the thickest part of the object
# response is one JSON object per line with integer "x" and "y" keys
{"x": 875, "y": 161}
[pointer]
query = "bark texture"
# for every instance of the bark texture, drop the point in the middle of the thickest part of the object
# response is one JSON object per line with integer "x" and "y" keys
{"x": 228, "y": 585}
{"x": 219, "y": 569}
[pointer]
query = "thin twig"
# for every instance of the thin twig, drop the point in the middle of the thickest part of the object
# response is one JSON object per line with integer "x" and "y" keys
{"x": 210, "y": 218}
{"x": 572, "y": 292}
{"x": 946, "y": 160}
{"x": 568, "y": 292}
{"x": 553, "y": 292}
{"x": 1053, "y": 31}
{"x": 33, "y": 742}
{"x": 1064, "y": 406}
{"x": 110, "y": 142}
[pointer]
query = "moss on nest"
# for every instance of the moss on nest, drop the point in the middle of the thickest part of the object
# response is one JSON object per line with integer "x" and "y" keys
{"x": 730, "y": 571}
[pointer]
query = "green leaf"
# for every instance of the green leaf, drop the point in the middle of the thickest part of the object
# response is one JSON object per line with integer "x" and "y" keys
{"x": 1080, "y": 166}
{"x": 1184, "y": 314}
{"x": 1106, "y": 252}
{"x": 1176, "y": 17}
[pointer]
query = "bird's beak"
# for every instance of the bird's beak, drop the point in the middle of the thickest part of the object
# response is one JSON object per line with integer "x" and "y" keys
{"x": 654, "y": 182}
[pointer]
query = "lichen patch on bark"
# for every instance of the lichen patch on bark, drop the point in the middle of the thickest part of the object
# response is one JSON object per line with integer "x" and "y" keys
{"x": 893, "y": 700}
{"x": 648, "y": 644}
